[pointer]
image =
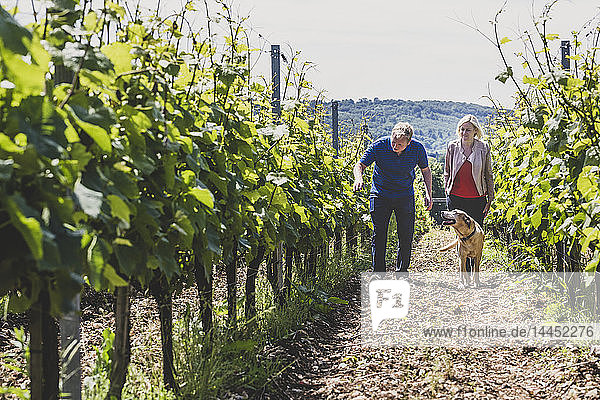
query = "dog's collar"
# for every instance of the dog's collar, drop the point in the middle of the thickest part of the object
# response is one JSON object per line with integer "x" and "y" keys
{"x": 470, "y": 235}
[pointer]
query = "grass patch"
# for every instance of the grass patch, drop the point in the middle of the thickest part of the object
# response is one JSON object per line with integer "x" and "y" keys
{"x": 495, "y": 255}
{"x": 139, "y": 385}
{"x": 226, "y": 362}
{"x": 220, "y": 363}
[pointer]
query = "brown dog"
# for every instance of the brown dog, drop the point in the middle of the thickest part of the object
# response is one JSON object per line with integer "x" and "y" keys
{"x": 470, "y": 243}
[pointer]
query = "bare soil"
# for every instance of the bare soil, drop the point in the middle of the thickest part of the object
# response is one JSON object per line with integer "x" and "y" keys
{"x": 328, "y": 361}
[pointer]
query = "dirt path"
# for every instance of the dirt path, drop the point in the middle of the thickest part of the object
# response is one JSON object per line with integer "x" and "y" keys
{"x": 328, "y": 361}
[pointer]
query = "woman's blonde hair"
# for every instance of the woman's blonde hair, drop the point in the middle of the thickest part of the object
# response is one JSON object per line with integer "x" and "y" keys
{"x": 473, "y": 120}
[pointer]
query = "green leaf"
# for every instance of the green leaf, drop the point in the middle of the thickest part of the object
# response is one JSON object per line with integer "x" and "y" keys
{"x": 134, "y": 120}
{"x": 585, "y": 184}
{"x": 239, "y": 346}
{"x": 129, "y": 258}
{"x": 302, "y": 124}
{"x": 301, "y": 211}
{"x": 70, "y": 133}
{"x": 111, "y": 275}
{"x": 97, "y": 256}
{"x": 504, "y": 75}
{"x": 81, "y": 155}
{"x": 21, "y": 301}
{"x": 581, "y": 145}
{"x": 530, "y": 81}
{"x": 536, "y": 218}
{"x": 183, "y": 224}
{"x": 188, "y": 177}
{"x": 28, "y": 78}
{"x": 169, "y": 160}
{"x": 125, "y": 183}
{"x": 115, "y": 9}
{"x": 505, "y": 40}
{"x": 219, "y": 181}
{"x": 212, "y": 239}
{"x": 29, "y": 227}
{"x": 8, "y": 145}
{"x": 90, "y": 21}
{"x": 336, "y": 300}
{"x": 14, "y": 37}
{"x": 203, "y": 195}
{"x": 122, "y": 242}
{"x": 589, "y": 235}
{"x": 97, "y": 133}
{"x": 279, "y": 198}
{"x": 252, "y": 195}
{"x": 510, "y": 213}
{"x": 118, "y": 208}
{"x": 592, "y": 266}
{"x": 153, "y": 263}
{"x": 15, "y": 42}
{"x": 188, "y": 144}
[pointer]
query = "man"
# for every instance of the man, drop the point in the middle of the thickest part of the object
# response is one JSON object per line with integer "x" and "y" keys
{"x": 395, "y": 159}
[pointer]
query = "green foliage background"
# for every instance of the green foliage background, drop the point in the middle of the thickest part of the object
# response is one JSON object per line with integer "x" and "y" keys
{"x": 547, "y": 153}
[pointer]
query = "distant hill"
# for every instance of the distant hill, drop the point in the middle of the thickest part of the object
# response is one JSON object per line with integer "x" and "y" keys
{"x": 434, "y": 121}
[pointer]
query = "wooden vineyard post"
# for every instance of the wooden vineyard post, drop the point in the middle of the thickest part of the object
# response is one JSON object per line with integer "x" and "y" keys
{"x": 289, "y": 263}
{"x": 275, "y": 273}
{"x": 565, "y": 51}
{"x": 351, "y": 242}
{"x": 276, "y": 79}
{"x": 159, "y": 288}
{"x": 43, "y": 350}
{"x": 204, "y": 285}
{"x": 334, "y": 123}
{"x": 70, "y": 339}
{"x": 121, "y": 344}
{"x": 231, "y": 272}
{"x": 279, "y": 270}
{"x": 250, "y": 308}
{"x": 337, "y": 242}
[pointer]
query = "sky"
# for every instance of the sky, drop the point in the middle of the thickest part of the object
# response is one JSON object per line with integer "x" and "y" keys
{"x": 396, "y": 49}
{"x": 408, "y": 49}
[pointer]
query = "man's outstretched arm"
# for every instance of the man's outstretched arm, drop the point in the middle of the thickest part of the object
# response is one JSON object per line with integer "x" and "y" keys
{"x": 358, "y": 176}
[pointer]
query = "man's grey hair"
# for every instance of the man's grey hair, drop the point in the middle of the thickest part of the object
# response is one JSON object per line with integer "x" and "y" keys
{"x": 402, "y": 130}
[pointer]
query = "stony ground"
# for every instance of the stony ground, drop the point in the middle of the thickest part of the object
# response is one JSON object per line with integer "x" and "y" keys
{"x": 329, "y": 360}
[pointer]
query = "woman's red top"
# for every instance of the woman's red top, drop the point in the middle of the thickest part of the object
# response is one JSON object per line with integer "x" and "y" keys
{"x": 464, "y": 185}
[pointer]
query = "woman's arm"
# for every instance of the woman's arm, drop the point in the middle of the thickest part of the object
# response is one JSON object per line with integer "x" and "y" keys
{"x": 489, "y": 180}
{"x": 447, "y": 166}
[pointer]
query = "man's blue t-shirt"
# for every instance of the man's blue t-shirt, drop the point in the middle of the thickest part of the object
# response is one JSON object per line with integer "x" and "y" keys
{"x": 394, "y": 173}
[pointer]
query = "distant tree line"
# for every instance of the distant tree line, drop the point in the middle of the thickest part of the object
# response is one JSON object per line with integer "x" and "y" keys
{"x": 434, "y": 120}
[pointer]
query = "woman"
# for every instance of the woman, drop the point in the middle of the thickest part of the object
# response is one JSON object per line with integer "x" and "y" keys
{"x": 468, "y": 176}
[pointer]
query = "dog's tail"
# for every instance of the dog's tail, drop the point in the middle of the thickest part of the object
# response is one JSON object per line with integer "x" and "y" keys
{"x": 449, "y": 246}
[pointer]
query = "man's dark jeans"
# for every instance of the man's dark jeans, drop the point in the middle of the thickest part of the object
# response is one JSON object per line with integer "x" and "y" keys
{"x": 381, "y": 211}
